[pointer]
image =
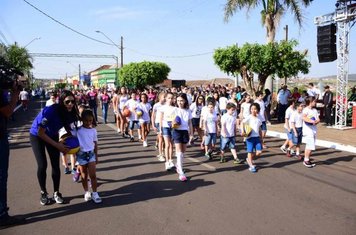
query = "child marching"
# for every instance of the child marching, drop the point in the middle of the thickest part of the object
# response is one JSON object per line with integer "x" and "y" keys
{"x": 87, "y": 157}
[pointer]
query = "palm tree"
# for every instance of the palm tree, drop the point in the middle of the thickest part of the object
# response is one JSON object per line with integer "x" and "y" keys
{"x": 272, "y": 11}
{"x": 19, "y": 58}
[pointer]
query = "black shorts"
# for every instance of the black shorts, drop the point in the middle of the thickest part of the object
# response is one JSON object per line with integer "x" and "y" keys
{"x": 195, "y": 122}
{"x": 180, "y": 136}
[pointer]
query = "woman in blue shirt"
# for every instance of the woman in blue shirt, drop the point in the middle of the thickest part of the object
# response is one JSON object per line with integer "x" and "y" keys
{"x": 44, "y": 135}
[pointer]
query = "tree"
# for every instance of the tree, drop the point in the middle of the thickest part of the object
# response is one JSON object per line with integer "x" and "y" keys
{"x": 264, "y": 60}
{"x": 139, "y": 75}
{"x": 17, "y": 57}
{"x": 272, "y": 11}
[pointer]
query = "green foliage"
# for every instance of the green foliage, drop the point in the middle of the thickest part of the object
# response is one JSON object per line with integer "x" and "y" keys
{"x": 264, "y": 60}
{"x": 139, "y": 75}
{"x": 17, "y": 57}
{"x": 60, "y": 86}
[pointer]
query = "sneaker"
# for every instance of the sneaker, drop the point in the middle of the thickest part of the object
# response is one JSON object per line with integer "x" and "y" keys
{"x": 44, "y": 200}
{"x": 145, "y": 143}
{"x": 87, "y": 196}
{"x": 74, "y": 171}
{"x": 166, "y": 164}
{"x": 171, "y": 164}
{"x": 222, "y": 159}
{"x": 252, "y": 169}
{"x": 118, "y": 130}
{"x": 95, "y": 197}
{"x": 207, "y": 156}
{"x": 238, "y": 161}
{"x": 283, "y": 149}
{"x": 57, "y": 196}
{"x": 161, "y": 158}
{"x": 76, "y": 176}
{"x": 308, "y": 164}
{"x": 292, "y": 152}
{"x": 7, "y": 221}
{"x": 67, "y": 171}
{"x": 298, "y": 156}
{"x": 132, "y": 139}
{"x": 182, "y": 178}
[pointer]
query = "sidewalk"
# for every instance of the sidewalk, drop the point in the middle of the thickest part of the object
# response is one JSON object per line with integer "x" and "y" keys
{"x": 343, "y": 140}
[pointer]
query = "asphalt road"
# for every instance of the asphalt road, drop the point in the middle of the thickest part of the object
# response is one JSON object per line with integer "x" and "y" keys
{"x": 140, "y": 197}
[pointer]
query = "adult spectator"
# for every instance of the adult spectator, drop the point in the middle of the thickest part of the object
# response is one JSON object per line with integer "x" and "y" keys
{"x": 313, "y": 91}
{"x": 328, "y": 105}
{"x": 353, "y": 94}
{"x": 267, "y": 99}
{"x": 282, "y": 99}
{"x": 24, "y": 97}
{"x": 296, "y": 95}
{"x": 6, "y": 110}
{"x": 93, "y": 101}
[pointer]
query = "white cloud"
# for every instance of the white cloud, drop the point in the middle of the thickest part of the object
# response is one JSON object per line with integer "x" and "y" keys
{"x": 119, "y": 13}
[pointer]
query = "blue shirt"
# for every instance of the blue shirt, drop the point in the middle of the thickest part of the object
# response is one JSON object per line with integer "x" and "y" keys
{"x": 50, "y": 120}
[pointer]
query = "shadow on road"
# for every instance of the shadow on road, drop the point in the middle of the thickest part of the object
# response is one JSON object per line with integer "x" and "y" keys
{"x": 133, "y": 193}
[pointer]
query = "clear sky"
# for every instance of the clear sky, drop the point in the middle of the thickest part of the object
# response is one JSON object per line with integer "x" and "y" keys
{"x": 170, "y": 31}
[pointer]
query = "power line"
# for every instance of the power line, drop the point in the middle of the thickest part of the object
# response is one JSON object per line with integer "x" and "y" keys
{"x": 57, "y": 21}
{"x": 3, "y": 36}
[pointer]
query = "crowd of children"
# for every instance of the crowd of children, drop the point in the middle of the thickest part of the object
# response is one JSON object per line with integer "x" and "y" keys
{"x": 179, "y": 118}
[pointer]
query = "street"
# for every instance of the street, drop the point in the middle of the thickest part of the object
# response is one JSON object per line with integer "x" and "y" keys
{"x": 140, "y": 197}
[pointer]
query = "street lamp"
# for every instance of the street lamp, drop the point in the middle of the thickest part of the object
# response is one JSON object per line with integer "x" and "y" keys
{"x": 121, "y": 48}
{"x": 38, "y": 38}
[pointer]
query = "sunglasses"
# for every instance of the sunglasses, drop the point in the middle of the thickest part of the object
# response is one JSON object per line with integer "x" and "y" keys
{"x": 69, "y": 101}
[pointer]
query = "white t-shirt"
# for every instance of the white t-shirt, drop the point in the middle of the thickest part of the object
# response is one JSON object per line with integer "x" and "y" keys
{"x": 185, "y": 115}
{"x": 23, "y": 95}
{"x": 296, "y": 118}
{"x": 222, "y": 103}
{"x": 245, "y": 109}
{"x": 255, "y": 124}
{"x": 122, "y": 101}
{"x": 211, "y": 119}
{"x": 86, "y": 137}
{"x": 168, "y": 114}
{"x": 155, "y": 109}
{"x": 289, "y": 112}
{"x": 132, "y": 105}
{"x": 229, "y": 121}
{"x": 310, "y": 129}
{"x": 261, "y": 114}
{"x": 146, "y": 112}
{"x": 196, "y": 110}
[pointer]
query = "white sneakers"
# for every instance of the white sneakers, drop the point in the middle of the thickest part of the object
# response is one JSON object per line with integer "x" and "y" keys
{"x": 92, "y": 196}
{"x": 161, "y": 158}
{"x": 169, "y": 165}
{"x": 87, "y": 196}
{"x": 145, "y": 143}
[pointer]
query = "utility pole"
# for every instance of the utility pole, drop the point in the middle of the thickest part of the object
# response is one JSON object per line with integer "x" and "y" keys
{"x": 122, "y": 51}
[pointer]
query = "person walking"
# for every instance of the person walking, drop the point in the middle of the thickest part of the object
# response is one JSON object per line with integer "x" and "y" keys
{"x": 328, "y": 105}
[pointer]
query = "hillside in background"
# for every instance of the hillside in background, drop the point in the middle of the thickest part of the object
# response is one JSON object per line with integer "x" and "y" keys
{"x": 352, "y": 77}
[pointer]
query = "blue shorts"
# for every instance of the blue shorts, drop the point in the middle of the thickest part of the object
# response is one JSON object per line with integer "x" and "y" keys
{"x": 264, "y": 126}
{"x": 253, "y": 144}
{"x": 289, "y": 134}
{"x": 167, "y": 132}
{"x": 195, "y": 122}
{"x": 297, "y": 140}
{"x": 180, "y": 136}
{"x": 83, "y": 158}
{"x": 210, "y": 139}
{"x": 227, "y": 142}
{"x": 158, "y": 129}
{"x": 132, "y": 125}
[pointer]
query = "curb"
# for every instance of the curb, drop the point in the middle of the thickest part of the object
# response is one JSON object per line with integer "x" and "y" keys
{"x": 322, "y": 143}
